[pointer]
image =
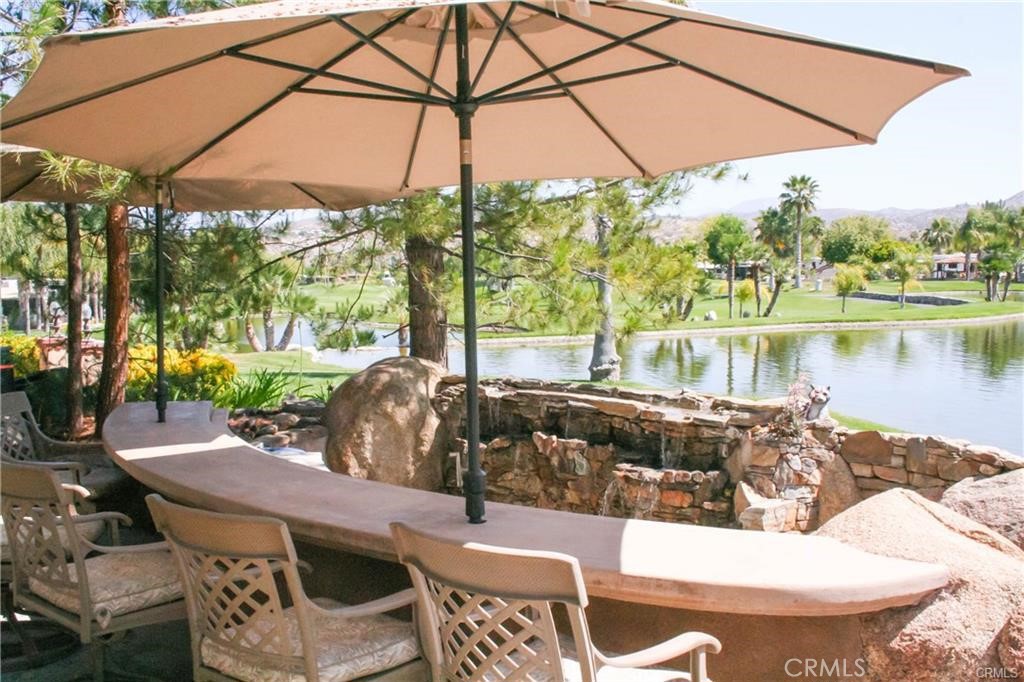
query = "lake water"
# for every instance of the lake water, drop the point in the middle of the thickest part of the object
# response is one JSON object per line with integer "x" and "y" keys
{"x": 959, "y": 381}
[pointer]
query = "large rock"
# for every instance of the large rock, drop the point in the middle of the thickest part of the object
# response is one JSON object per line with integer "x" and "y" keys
{"x": 382, "y": 427}
{"x": 996, "y": 502}
{"x": 960, "y": 629}
{"x": 838, "y": 490}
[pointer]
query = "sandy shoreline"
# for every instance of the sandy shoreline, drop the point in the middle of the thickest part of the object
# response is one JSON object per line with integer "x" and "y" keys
{"x": 587, "y": 339}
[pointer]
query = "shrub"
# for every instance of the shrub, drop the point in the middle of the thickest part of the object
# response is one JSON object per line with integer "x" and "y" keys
{"x": 24, "y": 353}
{"x": 261, "y": 388}
{"x": 191, "y": 375}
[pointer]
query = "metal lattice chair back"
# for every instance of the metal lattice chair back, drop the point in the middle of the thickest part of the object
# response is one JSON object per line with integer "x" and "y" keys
{"x": 227, "y": 564}
{"x": 43, "y": 546}
{"x": 15, "y": 438}
{"x": 488, "y": 609}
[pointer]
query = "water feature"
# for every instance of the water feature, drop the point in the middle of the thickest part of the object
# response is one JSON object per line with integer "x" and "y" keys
{"x": 961, "y": 381}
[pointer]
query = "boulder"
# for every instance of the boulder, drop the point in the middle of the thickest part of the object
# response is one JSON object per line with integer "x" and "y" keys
{"x": 382, "y": 427}
{"x": 996, "y": 502}
{"x": 838, "y": 490}
{"x": 867, "y": 447}
{"x": 957, "y": 631}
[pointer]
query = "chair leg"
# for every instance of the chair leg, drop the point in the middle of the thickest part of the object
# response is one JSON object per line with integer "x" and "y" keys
{"x": 97, "y": 651}
{"x": 699, "y": 665}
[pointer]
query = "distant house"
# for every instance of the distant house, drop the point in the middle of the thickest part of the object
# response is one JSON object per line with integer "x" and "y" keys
{"x": 948, "y": 266}
{"x": 8, "y": 288}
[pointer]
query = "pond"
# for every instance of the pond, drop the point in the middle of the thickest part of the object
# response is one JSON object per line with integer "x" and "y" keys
{"x": 959, "y": 381}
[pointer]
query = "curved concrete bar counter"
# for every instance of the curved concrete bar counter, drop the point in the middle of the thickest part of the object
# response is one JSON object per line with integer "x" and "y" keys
{"x": 194, "y": 459}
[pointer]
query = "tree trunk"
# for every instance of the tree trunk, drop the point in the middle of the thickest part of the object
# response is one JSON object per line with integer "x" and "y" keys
{"x": 289, "y": 331}
{"x": 1006, "y": 286}
{"x": 118, "y": 307}
{"x": 96, "y": 302}
{"x": 428, "y": 319}
{"x": 689, "y": 307}
{"x": 756, "y": 273}
{"x": 43, "y": 306}
{"x": 680, "y": 302}
{"x": 269, "y": 333}
{"x": 25, "y": 304}
{"x": 988, "y": 287}
{"x": 844, "y": 304}
{"x": 776, "y": 290}
{"x": 605, "y": 363}
{"x": 799, "y": 281}
{"x": 73, "y": 390}
{"x": 250, "y": 336}
{"x": 732, "y": 279}
{"x": 903, "y": 294}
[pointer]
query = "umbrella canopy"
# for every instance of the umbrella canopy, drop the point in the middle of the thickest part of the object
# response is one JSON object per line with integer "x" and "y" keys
{"x": 358, "y": 92}
{"x": 23, "y": 178}
{"x": 361, "y": 93}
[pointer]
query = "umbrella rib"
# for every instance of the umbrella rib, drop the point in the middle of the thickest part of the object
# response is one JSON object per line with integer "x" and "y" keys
{"x": 419, "y": 99}
{"x": 547, "y": 71}
{"x": 546, "y": 89}
{"x": 56, "y": 108}
{"x": 29, "y": 181}
{"x": 575, "y": 100}
{"x": 804, "y": 40}
{"x": 309, "y": 194}
{"x": 391, "y": 56}
{"x": 494, "y": 46}
{"x": 310, "y": 74}
{"x": 323, "y": 73}
{"x": 423, "y": 109}
{"x": 861, "y": 137}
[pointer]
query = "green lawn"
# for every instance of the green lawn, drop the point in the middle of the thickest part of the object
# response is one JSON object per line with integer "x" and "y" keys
{"x": 306, "y": 377}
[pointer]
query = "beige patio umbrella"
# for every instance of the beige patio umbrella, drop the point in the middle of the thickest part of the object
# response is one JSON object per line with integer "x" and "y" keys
{"x": 374, "y": 93}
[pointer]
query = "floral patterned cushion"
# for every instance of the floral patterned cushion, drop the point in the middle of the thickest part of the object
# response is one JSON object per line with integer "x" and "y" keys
{"x": 87, "y": 530}
{"x": 118, "y": 583}
{"x": 347, "y": 648}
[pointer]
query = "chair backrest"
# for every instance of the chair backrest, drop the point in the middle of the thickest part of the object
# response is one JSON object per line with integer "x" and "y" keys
{"x": 227, "y": 564}
{"x": 486, "y": 611}
{"x": 15, "y": 436}
{"x": 43, "y": 546}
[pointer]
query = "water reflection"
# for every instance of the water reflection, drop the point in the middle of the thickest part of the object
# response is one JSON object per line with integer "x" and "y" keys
{"x": 965, "y": 382}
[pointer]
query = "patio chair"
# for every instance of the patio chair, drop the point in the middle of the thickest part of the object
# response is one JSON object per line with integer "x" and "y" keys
{"x": 85, "y": 464}
{"x": 241, "y": 629}
{"x": 31, "y": 643}
{"x": 486, "y": 615}
{"x": 90, "y": 589}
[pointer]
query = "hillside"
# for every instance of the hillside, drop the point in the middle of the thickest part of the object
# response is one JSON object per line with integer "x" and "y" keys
{"x": 904, "y": 220}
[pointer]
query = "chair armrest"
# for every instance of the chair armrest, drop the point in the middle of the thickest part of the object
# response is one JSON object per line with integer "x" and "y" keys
{"x": 370, "y": 608}
{"x": 665, "y": 651}
{"x": 113, "y": 520}
{"x": 128, "y": 549}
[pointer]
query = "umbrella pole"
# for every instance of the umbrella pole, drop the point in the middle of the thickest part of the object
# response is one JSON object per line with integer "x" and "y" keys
{"x": 474, "y": 481}
{"x": 158, "y": 248}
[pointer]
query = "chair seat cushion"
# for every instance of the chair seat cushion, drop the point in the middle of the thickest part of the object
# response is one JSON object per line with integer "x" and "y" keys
{"x": 119, "y": 583}
{"x": 347, "y": 648}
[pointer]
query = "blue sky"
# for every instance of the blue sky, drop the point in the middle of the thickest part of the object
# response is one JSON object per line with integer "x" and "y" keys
{"x": 959, "y": 143}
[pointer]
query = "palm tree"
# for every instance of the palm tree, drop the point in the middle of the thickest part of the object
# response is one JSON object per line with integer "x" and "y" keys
{"x": 774, "y": 230}
{"x": 905, "y": 266}
{"x": 849, "y": 279}
{"x": 940, "y": 235}
{"x": 798, "y": 199}
{"x": 971, "y": 238}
